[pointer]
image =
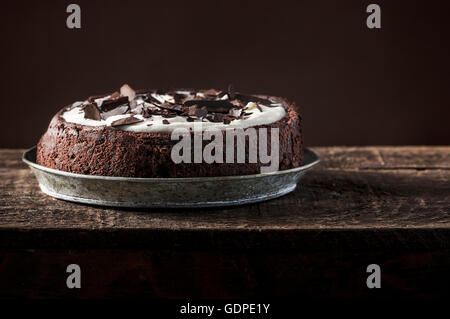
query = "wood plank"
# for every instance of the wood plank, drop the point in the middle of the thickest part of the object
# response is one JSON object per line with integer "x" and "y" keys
{"x": 351, "y": 190}
{"x": 383, "y": 205}
{"x": 385, "y": 157}
{"x": 363, "y": 199}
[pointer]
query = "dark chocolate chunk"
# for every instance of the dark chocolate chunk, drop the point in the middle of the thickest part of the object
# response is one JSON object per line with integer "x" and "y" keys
{"x": 221, "y": 106}
{"x": 216, "y": 117}
{"x": 172, "y": 107}
{"x": 226, "y": 120}
{"x": 169, "y": 115}
{"x": 91, "y": 112}
{"x": 126, "y": 121}
{"x": 191, "y": 110}
{"x": 151, "y": 99}
{"x": 110, "y": 104}
{"x": 179, "y": 98}
{"x": 117, "y": 111}
{"x": 190, "y": 119}
{"x": 200, "y": 112}
{"x": 166, "y": 122}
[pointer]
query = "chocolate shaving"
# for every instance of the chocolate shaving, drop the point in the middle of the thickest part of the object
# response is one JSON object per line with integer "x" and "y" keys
{"x": 126, "y": 90}
{"x": 166, "y": 122}
{"x": 91, "y": 112}
{"x": 179, "y": 98}
{"x": 168, "y": 115}
{"x": 190, "y": 119}
{"x": 151, "y": 99}
{"x": 126, "y": 121}
{"x": 216, "y": 117}
{"x": 221, "y": 106}
{"x": 226, "y": 120}
{"x": 200, "y": 112}
{"x": 110, "y": 104}
{"x": 191, "y": 110}
{"x": 172, "y": 107}
{"x": 117, "y": 111}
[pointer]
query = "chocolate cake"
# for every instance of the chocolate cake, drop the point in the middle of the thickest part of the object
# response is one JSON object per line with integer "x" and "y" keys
{"x": 131, "y": 134}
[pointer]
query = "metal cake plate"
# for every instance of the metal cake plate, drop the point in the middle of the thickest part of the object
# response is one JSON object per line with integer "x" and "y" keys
{"x": 167, "y": 192}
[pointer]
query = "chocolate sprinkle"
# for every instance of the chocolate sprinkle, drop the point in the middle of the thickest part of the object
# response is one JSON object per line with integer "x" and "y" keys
{"x": 166, "y": 122}
{"x": 126, "y": 121}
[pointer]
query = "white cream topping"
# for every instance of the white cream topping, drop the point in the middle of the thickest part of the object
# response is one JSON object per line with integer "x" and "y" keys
{"x": 255, "y": 117}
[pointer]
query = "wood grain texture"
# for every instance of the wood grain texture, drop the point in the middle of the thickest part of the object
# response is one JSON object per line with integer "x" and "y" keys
{"x": 381, "y": 190}
{"x": 360, "y": 205}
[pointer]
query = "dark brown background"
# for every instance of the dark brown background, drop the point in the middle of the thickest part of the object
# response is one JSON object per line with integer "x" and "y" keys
{"x": 355, "y": 85}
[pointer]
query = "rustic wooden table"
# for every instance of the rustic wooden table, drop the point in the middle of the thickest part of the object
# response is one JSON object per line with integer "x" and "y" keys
{"x": 361, "y": 205}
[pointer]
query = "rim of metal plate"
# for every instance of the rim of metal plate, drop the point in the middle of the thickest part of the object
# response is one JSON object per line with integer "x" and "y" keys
{"x": 29, "y": 157}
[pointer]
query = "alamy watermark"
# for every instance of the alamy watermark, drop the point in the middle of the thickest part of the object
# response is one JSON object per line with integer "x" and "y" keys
{"x": 236, "y": 150}
{"x": 373, "y": 21}
{"x": 73, "y": 20}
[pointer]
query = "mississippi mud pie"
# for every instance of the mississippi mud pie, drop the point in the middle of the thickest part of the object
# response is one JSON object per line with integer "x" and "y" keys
{"x": 174, "y": 133}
